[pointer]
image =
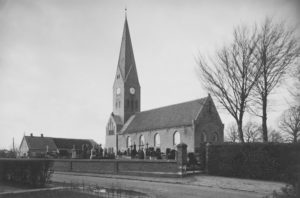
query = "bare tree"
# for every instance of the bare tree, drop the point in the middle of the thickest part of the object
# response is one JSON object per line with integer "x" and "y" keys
{"x": 232, "y": 73}
{"x": 275, "y": 136}
{"x": 251, "y": 132}
{"x": 277, "y": 50}
{"x": 290, "y": 123}
{"x": 295, "y": 90}
{"x": 232, "y": 133}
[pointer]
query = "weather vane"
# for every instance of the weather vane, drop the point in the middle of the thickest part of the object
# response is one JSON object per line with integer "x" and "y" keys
{"x": 126, "y": 11}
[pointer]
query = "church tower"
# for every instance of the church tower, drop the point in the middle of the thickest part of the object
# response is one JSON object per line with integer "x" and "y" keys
{"x": 126, "y": 88}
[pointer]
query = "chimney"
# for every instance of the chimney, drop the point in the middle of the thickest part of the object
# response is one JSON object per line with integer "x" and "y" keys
{"x": 31, "y": 135}
{"x": 42, "y": 135}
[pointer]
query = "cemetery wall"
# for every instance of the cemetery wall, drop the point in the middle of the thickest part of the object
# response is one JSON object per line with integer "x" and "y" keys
{"x": 128, "y": 167}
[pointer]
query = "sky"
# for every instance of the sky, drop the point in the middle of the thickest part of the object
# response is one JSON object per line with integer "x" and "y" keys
{"x": 58, "y": 58}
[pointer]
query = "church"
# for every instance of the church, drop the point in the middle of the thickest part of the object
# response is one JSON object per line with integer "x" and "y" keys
{"x": 191, "y": 122}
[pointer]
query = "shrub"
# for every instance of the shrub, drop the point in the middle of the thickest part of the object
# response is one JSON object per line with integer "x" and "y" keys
{"x": 268, "y": 161}
{"x": 288, "y": 191}
{"x": 32, "y": 172}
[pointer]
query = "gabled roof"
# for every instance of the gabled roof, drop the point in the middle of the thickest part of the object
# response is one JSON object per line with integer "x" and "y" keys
{"x": 165, "y": 117}
{"x": 118, "y": 121}
{"x": 37, "y": 142}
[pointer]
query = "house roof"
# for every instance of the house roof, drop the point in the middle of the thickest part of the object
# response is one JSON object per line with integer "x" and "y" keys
{"x": 66, "y": 143}
{"x": 181, "y": 114}
{"x": 37, "y": 142}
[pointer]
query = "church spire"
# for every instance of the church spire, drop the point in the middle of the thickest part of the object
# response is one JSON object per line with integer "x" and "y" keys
{"x": 126, "y": 61}
{"x": 126, "y": 89}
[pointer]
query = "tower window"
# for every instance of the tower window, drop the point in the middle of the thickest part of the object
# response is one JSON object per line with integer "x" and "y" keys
{"x": 136, "y": 104}
{"x": 132, "y": 105}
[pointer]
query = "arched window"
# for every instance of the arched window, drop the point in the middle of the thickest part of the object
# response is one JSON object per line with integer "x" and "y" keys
{"x": 204, "y": 137}
{"x": 142, "y": 140}
{"x": 111, "y": 128}
{"x": 215, "y": 137}
{"x": 176, "y": 138}
{"x": 128, "y": 142}
{"x": 156, "y": 140}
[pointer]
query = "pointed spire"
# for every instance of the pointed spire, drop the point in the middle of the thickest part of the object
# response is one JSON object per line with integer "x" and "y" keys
{"x": 126, "y": 58}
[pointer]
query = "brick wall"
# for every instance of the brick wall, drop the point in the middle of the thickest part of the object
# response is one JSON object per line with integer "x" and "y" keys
{"x": 208, "y": 125}
{"x": 132, "y": 167}
{"x": 128, "y": 167}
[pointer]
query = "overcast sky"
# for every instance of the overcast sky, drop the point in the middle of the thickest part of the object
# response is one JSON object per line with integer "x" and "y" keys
{"x": 58, "y": 58}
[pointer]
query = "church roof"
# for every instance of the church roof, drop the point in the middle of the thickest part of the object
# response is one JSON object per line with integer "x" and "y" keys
{"x": 126, "y": 62}
{"x": 181, "y": 114}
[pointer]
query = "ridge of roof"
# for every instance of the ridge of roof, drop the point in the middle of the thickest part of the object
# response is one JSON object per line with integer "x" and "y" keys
{"x": 38, "y": 142}
{"x": 172, "y": 105}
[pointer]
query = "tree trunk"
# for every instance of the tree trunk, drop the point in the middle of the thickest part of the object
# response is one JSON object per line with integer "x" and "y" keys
{"x": 240, "y": 130}
{"x": 264, "y": 119}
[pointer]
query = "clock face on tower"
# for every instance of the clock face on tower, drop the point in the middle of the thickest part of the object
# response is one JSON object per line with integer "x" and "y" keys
{"x": 132, "y": 90}
{"x": 118, "y": 91}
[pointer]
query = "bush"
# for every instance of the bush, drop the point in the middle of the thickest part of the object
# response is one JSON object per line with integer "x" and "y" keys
{"x": 268, "y": 161}
{"x": 32, "y": 172}
{"x": 288, "y": 191}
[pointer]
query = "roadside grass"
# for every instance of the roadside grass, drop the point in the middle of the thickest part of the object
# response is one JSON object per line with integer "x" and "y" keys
{"x": 6, "y": 187}
{"x": 50, "y": 194}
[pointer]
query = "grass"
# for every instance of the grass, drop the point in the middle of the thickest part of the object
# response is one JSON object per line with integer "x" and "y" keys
{"x": 8, "y": 187}
{"x": 51, "y": 194}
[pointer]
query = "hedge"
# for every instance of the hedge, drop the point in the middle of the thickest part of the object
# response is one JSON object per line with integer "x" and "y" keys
{"x": 31, "y": 172}
{"x": 266, "y": 161}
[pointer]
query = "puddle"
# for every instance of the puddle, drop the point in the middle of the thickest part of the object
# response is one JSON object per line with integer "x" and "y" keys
{"x": 110, "y": 192}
